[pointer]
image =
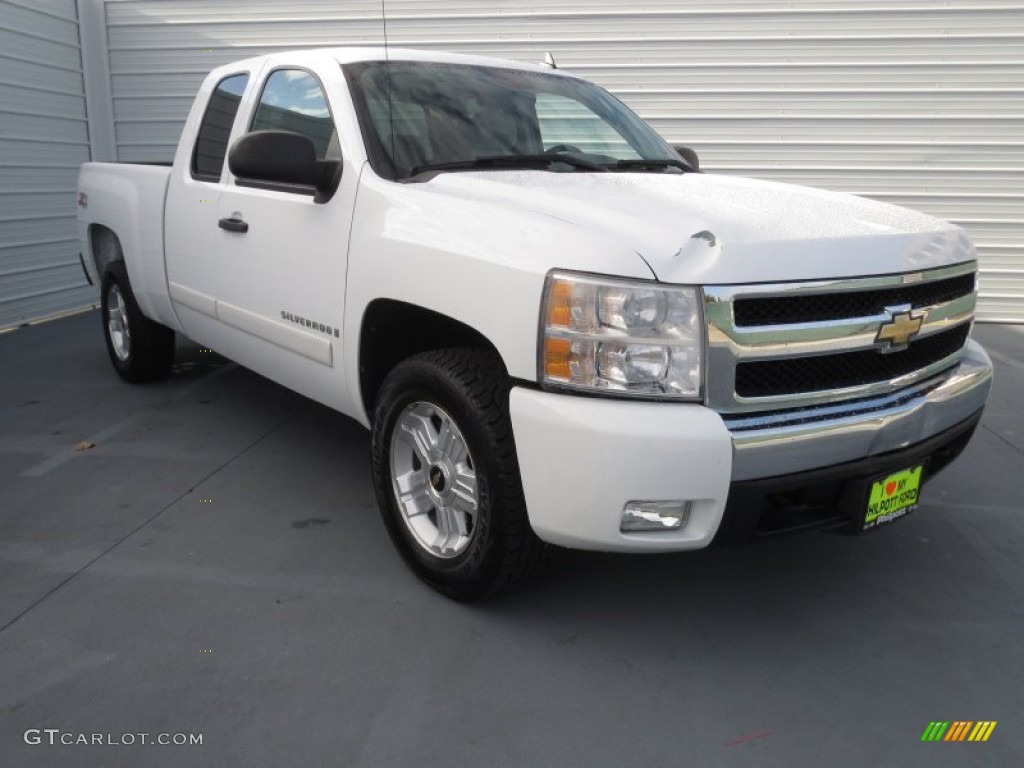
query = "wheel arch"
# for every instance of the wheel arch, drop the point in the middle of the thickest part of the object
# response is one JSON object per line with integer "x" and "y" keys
{"x": 392, "y": 331}
{"x": 105, "y": 247}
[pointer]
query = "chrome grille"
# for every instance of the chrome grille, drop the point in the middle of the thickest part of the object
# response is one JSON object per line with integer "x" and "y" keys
{"x": 799, "y": 344}
{"x": 816, "y": 307}
{"x": 762, "y": 378}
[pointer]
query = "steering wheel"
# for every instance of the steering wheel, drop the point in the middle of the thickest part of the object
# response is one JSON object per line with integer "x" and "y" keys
{"x": 559, "y": 148}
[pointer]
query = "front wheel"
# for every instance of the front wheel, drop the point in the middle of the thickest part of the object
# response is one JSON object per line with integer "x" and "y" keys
{"x": 140, "y": 349}
{"x": 446, "y": 475}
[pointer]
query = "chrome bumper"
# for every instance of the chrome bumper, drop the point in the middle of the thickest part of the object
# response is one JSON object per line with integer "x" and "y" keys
{"x": 771, "y": 444}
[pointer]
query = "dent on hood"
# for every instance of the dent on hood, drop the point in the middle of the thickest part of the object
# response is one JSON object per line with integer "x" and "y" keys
{"x": 700, "y": 251}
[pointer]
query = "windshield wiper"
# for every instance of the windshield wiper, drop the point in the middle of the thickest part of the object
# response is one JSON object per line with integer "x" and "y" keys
{"x": 659, "y": 163}
{"x": 511, "y": 161}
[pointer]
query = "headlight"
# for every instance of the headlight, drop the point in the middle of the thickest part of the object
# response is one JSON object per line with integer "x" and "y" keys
{"x": 623, "y": 336}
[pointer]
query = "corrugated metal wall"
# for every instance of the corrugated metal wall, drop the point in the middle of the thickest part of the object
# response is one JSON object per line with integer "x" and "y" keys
{"x": 161, "y": 51}
{"x": 916, "y": 102}
{"x": 43, "y": 140}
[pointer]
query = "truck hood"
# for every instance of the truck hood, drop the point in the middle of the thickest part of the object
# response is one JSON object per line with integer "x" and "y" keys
{"x": 705, "y": 229}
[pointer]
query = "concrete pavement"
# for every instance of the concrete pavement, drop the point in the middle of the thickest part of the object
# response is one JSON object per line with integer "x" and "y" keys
{"x": 215, "y": 565}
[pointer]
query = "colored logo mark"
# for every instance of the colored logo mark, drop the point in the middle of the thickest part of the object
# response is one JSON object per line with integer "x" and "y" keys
{"x": 959, "y": 730}
{"x": 899, "y": 329}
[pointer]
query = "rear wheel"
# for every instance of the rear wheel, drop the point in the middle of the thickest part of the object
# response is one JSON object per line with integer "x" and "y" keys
{"x": 140, "y": 349}
{"x": 446, "y": 475}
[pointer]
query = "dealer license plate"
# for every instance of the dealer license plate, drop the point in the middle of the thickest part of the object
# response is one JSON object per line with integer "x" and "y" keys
{"x": 892, "y": 497}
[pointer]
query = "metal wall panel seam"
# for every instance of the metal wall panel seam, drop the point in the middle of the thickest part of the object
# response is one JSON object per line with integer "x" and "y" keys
{"x": 43, "y": 11}
{"x": 43, "y": 115}
{"x": 949, "y": 146}
{"x": 49, "y": 65}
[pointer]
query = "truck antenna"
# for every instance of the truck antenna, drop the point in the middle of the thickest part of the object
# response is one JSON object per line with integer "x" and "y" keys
{"x": 387, "y": 70}
{"x": 549, "y": 61}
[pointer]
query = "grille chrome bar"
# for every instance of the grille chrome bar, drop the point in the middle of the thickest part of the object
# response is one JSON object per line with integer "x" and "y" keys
{"x": 763, "y": 378}
{"x": 731, "y": 345}
{"x": 747, "y": 422}
{"x": 775, "y": 310}
{"x": 783, "y": 442}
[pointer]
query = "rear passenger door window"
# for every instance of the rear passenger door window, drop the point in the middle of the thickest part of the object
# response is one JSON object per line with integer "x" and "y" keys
{"x": 293, "y": 100}
{"x": 214, "y": 131}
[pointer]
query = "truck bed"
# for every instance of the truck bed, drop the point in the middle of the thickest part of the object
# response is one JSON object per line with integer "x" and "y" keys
{"x": 129, "y": 199}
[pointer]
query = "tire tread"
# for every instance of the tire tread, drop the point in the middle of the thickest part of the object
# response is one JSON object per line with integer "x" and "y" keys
{"x": 151, "y": 354}
{"x": 482, "y": 381}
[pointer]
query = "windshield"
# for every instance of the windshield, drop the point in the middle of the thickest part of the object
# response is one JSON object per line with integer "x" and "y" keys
{"x": 444, "y": 116}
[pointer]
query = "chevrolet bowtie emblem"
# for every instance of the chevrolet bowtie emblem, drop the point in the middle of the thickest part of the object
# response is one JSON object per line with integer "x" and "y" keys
{"x": 899, "y": 330}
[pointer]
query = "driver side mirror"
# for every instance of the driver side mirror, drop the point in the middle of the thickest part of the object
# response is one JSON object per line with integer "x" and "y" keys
{"x": 282, "y": 157}
{"x": 688, "y": 155}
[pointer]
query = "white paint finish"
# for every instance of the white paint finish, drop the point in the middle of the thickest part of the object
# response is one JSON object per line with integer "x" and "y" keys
{"x": 206, "y": 274}
{"x": 292, "y": 259}
{"x": 308, "y": 345}
{"x": 582, "y": 459}
{"x": 193, "y": 204}
{"x": 764, "y": 231}
{"x": 200, "y": 302}
{"x": 129, "y": 201}
{"x": 887, "y": 100}
{"x": 43, "y": 140}
{"x": 479, "y": 259}
{"x": 477, "y": 247}
{"x": 275, "y": 362}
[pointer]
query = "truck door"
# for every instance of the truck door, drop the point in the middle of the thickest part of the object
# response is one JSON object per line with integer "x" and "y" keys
{"x": 190, "y": 224}
{"x": 282, "y": 253}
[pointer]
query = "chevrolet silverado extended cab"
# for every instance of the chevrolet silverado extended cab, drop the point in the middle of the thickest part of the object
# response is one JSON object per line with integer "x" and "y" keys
{"x": 557, "y": 328}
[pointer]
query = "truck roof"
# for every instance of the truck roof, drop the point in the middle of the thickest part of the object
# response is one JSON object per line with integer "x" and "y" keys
{"x": 348, "y": 55}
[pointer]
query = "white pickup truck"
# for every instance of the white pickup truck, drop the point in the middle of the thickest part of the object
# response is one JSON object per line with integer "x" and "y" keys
{"x": 558, "y": 329}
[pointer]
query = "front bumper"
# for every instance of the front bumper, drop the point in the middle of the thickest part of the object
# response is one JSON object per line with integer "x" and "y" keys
{"x": 832, "y": 497}
{"x": 583, "y": 458}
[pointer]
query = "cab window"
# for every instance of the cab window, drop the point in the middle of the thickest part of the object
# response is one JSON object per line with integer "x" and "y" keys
{"x": 215, "y": 129}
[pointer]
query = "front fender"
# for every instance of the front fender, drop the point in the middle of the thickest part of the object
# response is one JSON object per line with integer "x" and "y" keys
{"x": 475, "y": 261}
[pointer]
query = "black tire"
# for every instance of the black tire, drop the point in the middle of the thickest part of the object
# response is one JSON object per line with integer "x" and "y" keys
{"x": 471, "y": 386}
{"x": 146, "y": 351}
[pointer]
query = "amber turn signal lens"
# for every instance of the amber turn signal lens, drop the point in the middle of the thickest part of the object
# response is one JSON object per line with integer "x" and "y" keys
{"x": 557, "y": 353}
{"x": 560, "y": 304}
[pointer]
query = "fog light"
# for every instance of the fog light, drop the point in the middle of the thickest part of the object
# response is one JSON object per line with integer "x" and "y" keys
{"x": 654, "y": 516}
